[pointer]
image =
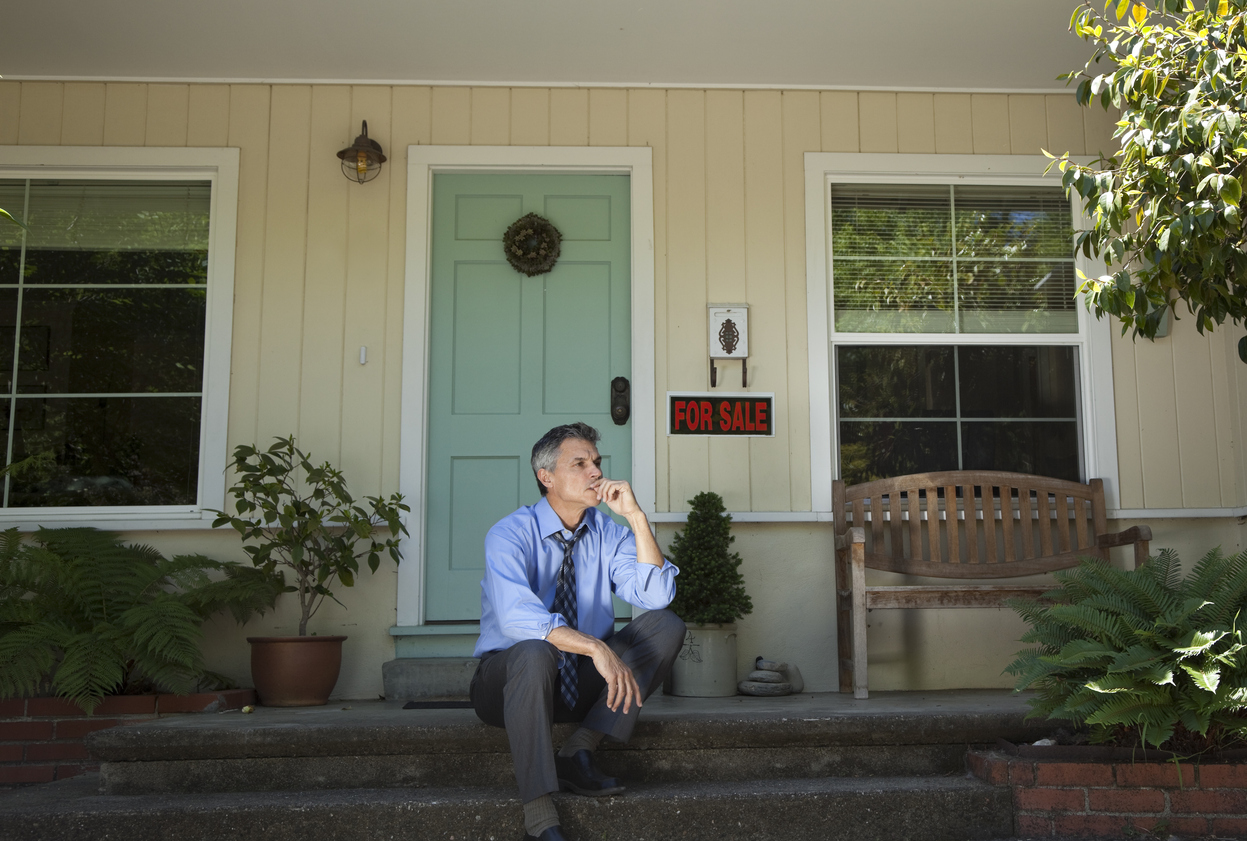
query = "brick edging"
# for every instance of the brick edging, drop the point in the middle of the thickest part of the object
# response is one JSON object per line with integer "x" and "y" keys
{"x": 42, "y": 739}
{"x": 1115, "y": 798}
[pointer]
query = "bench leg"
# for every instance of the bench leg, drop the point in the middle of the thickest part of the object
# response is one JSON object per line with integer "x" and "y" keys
{"x": 857, "y": 561}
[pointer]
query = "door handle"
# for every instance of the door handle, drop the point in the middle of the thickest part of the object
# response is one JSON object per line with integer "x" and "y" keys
{"x": 621, "y": 400}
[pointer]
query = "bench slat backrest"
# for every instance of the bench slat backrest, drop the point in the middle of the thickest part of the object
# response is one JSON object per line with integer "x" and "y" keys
{"x": 973, "y": 524}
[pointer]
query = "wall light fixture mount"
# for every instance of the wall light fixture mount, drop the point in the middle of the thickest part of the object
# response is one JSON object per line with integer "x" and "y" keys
{"x": 361, "y": 161}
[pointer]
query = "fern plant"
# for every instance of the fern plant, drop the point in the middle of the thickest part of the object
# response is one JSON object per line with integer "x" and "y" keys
{"x": 1143, "y": 656}
{"x": 83, "y": 615}
{"x": 710, "y": 589}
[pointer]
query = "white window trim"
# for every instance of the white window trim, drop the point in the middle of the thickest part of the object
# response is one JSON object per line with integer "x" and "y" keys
{"x": 220, "y": 166}
{"x": 422, "y": 163}
{"x": 1099, "y": 427}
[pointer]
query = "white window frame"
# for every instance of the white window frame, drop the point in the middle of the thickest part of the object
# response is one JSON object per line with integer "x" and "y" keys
{"x": 219, "y": 166}
{"x": 1095, "y": 362}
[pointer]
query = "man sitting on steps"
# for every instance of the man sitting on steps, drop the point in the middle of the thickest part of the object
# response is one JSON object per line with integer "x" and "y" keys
{"x": 548, "y": 648}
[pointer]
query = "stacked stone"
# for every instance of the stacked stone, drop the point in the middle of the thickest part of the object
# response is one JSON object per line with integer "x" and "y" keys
{"x": 771, "y": 678}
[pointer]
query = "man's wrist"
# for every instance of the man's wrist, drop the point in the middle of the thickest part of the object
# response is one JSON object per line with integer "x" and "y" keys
{"x": 637, "y": 521}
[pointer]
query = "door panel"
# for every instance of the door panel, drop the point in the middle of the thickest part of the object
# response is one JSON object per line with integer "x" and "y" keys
{"x": 512, "y": 356}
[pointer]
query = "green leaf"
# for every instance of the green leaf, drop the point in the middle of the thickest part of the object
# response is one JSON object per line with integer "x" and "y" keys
{"x": 11, "y": 218}
{"x": 1242, "y": 349}
{"x": 1206, "y": 679}
{"x": 1231, "y": 191}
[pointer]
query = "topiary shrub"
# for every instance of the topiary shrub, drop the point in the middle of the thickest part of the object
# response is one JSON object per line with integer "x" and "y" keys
{"x": 1142, "y": 657}
{"x": 710, "y": 588}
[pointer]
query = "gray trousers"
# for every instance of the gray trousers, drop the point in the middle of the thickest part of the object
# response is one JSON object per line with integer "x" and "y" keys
{"x": 516, "y": 688}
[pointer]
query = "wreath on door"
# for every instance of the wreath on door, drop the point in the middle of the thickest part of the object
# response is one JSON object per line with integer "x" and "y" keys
{"x": 532, "y": 244}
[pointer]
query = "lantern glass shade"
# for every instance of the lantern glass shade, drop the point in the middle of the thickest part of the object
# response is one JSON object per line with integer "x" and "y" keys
{"x": 361, "y": 161}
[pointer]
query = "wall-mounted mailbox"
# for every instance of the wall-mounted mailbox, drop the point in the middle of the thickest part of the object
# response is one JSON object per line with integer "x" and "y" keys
{"x": 729, "y": 338}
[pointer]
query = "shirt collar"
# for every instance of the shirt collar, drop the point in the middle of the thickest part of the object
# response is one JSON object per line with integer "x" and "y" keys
{"x": 549, "y": 523}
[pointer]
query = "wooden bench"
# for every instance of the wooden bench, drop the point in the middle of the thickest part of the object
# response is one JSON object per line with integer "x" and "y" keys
{"x": 959, "y": 524}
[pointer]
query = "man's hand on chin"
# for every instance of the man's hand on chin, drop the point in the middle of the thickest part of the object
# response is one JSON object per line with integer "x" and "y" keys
{"x": 618, "y": 496}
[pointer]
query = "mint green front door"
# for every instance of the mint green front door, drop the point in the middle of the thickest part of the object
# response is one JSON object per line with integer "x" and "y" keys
{"x": 512, "y": 356}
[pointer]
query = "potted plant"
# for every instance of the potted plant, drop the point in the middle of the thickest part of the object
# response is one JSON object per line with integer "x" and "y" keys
{"x": 83, "y": 615}
{"x": 710, "y": 597}
{"x": 300, "y": 517}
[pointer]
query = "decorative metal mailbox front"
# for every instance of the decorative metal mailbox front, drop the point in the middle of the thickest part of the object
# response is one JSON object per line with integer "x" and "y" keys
{"x": 750, "y": 415}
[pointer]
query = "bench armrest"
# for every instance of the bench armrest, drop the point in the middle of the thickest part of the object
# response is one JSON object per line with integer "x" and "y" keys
{"x": 857, "y": 534}
{"x": 1124, "y": 538}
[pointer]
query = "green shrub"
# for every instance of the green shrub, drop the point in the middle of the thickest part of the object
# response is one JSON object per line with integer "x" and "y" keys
{"x": 710, "y": 588}
{"x": 1143, "y": 656}
{"x": 83, "y": 615}
{"x": 309, "y": 523}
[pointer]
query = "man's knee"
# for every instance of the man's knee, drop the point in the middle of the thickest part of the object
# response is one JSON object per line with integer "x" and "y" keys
{"x": 532, "y": 660}
{"x": 664, "y": 627}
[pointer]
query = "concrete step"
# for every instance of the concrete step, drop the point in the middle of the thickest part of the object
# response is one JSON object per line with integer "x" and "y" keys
{"x": 379, "y": 745}
{"x": 823, "y": 809}
{"x": 419, "y": 678}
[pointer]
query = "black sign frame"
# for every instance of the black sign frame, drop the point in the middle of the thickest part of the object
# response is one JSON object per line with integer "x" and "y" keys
{"x": 731, "y": 414}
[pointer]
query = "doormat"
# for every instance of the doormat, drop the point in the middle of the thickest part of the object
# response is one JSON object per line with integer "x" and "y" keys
{"x": 438, "y": 705}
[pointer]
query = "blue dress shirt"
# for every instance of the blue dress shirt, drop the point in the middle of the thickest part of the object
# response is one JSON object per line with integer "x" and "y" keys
{"x": 522, "y": 562}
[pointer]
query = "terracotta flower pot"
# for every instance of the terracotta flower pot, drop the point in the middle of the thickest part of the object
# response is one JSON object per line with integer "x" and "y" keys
{"x": 295, "y": 671}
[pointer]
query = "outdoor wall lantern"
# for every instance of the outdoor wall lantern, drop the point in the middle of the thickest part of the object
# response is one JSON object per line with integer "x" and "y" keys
{"x": 729, "y": 338}
{"x": 361, "y": 161}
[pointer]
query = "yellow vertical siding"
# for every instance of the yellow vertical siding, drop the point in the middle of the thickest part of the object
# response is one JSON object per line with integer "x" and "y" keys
{"x": 802, "y": 126}
{"x": 329, "y": 199}
{"x": 320, "y": 262}
{"x": 249, "y": 108}
{"x": 725, "y": 274}
{"x": 530, "y": 117}
{"x": 82, "y": 122}
{"x": 10, "y": 111}
{"x": 168, "y": 107}
{"x": 647, "y": 126}
{"x": 685, "y": 367}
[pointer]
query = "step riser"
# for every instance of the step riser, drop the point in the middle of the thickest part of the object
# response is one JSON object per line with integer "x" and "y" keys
{"x": 494, "y": 769}
{"x": 947, "y": 813}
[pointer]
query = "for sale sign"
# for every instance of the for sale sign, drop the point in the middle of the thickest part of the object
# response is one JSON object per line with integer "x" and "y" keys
{"x": 710, "y": 413}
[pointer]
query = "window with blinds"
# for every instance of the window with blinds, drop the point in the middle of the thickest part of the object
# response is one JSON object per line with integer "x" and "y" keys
{"x": 951, "y": 259}
{"x": 102, "y": 318}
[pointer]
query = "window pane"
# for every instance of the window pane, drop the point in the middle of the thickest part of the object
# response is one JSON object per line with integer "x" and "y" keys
{"x": 12, "y": 199}
{"x": 908, "y": 221}
{"x": 1044, "y": 448}
{"x": 8, "y": 320}
{"x": 893, "y": 296}
{"x": 1018, "y": 382}
{"x": 1003, "y": 297}
{"x": 893, "y": 269}
{"x": 92, "y": 267}
{"x": 118, "y": 215}
{"x": 903, "y": 409}
{"x": 878, "y": 450}
{"x": 896, "y": 382}
{"x": 124, "y": 340}
{"x": 1012, "y": 222}
{"x": 105, "y": 451}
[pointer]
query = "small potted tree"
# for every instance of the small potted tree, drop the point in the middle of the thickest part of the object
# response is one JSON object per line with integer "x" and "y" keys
{"x": 313, "y": 527}
{"x": 710, "y": 597}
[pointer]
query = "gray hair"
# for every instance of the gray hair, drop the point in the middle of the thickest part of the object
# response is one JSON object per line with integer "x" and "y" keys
{"x": 546, "y": 451}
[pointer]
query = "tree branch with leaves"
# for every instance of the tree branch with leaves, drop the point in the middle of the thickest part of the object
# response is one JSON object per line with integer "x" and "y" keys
{"x": 1165, "y": 208}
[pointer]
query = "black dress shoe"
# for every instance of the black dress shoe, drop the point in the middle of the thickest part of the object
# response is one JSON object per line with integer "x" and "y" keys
{"x": 554, "y": 833}
{"x": 577, "y": 773}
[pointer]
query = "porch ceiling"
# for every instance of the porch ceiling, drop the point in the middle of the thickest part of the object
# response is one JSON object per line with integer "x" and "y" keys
{"x": 903, "y": 44}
